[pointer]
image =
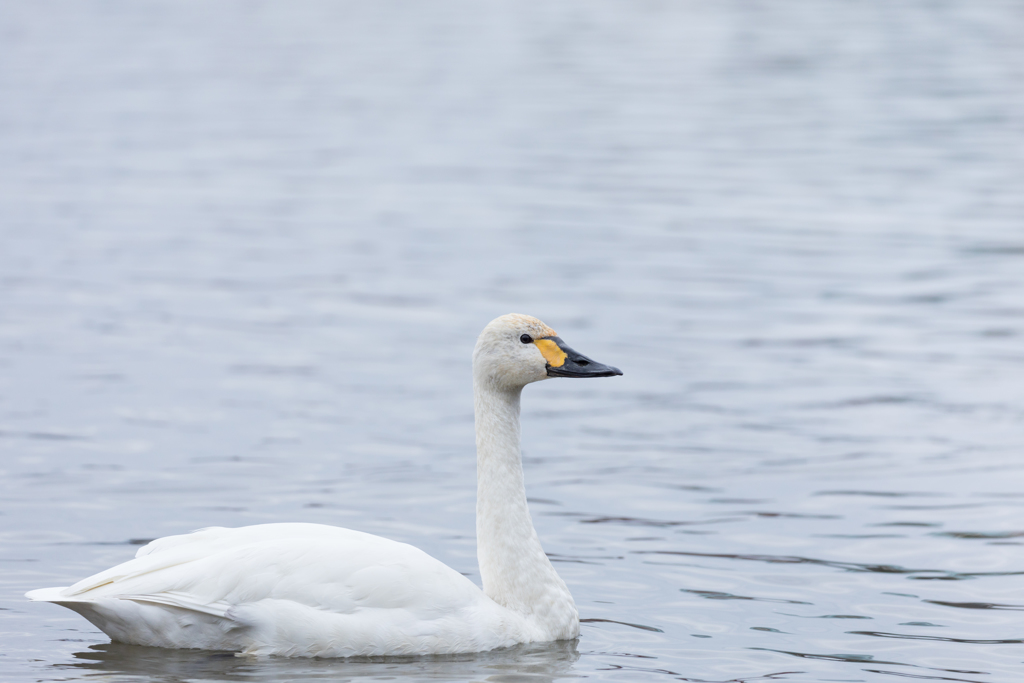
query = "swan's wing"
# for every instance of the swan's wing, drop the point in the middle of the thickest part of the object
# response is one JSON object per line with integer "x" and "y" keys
{"x": 289, "y": 589}
{"x": 170, "y": 551}
{"x": 219, "y": 537}
{"x": 317, "y": 565}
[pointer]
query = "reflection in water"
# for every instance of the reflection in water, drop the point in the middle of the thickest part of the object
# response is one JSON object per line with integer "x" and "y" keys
{"x": 532, "y": 662}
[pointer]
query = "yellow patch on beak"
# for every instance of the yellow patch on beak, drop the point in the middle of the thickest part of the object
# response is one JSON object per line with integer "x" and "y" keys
{"x": 552, "y": 354}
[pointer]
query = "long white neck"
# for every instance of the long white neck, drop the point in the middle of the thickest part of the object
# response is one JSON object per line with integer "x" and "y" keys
{"x": 516, "y": 573}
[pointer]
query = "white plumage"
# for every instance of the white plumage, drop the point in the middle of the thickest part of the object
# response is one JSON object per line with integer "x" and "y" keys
{"x": 291, "y": 589}
{"x": 320, "y": 591}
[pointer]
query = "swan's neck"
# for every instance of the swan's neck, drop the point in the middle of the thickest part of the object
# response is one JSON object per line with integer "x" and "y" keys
{"x": 516, "y": 573}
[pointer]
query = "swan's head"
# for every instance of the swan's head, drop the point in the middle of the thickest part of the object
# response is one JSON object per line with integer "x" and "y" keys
{"x": 515, "y": 349}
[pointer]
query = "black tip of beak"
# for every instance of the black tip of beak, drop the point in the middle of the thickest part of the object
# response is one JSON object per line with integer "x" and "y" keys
{"x": 587, "y": 368}
{"x": 578, "y": 365}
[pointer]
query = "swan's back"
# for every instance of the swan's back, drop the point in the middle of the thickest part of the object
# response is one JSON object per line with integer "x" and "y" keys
{"x": 290, "y": 589}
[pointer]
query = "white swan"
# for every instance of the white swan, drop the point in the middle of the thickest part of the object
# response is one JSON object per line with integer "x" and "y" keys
{"x": 313, "y": 590}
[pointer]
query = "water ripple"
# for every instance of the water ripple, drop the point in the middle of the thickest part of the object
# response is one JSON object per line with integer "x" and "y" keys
{"x": 919, "y": 574}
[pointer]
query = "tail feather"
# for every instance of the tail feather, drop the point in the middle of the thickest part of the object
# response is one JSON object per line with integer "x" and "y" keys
{"x": 164, "y": 620}
{"x": 49, "y": 595}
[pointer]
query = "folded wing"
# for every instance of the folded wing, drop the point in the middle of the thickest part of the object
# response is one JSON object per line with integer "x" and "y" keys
{"x": 293, "y": 589}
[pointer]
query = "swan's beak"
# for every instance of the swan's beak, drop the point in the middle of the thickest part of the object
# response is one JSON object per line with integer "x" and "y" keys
{"x": 564, "y": 362}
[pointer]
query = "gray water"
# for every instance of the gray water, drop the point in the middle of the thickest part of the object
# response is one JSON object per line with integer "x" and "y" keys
{"x": 247, "y": 247}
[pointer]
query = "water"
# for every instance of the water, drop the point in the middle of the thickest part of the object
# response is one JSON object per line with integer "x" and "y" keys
{"x": 247, "y": 248}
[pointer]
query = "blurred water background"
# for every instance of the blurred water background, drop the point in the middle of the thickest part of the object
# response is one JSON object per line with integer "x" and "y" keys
{"x": 247, "y": 248}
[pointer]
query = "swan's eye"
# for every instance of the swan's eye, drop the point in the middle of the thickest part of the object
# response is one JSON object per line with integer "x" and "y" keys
{"x": 526, "y": 339}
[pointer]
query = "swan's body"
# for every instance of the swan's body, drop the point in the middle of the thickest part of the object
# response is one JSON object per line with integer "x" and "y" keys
{"x": 318, "y": 590}
{"x": 294, "y": 590}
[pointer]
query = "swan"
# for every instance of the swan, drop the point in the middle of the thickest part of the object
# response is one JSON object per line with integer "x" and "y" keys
{"x": 313, "y": 590}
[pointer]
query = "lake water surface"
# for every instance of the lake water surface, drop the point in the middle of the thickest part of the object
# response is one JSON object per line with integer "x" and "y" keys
{"x": 247, "y": 248}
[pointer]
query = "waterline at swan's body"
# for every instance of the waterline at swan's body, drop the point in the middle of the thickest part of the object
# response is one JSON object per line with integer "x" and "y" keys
{"x": 317, "y": 590}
